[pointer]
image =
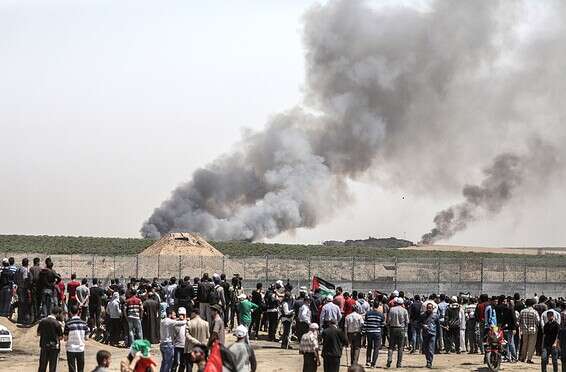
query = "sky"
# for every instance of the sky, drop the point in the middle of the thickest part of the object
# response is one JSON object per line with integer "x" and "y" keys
{"x": 106, "y": 106}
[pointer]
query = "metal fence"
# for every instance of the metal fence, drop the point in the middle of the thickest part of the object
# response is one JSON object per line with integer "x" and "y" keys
{"x": 526, "y": 275}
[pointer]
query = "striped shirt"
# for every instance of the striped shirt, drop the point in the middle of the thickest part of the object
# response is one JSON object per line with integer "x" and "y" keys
{"x": 374, "y": 322}
{"x": 76, "y": 330}
{"x": 133, "y": 307}
{"x": 309, "y": 343}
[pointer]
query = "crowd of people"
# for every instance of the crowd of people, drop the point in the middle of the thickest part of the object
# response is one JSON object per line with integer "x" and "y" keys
{"x": 189, "y": 317}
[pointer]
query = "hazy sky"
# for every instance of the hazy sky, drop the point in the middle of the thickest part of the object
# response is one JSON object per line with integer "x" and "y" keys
{"x": 106, "y": 106}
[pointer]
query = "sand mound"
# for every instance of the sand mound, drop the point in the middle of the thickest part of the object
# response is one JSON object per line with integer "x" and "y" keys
{"x": 186, "y": 244}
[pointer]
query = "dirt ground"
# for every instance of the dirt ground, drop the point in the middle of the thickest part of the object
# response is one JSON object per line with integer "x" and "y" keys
{"x": 270, "y": 357}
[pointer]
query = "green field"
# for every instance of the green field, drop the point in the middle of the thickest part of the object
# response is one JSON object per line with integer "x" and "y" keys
{"x": 121, "y": 246}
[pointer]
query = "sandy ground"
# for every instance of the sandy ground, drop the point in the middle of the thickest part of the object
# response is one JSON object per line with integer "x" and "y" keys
{"x": 270, "y": 357}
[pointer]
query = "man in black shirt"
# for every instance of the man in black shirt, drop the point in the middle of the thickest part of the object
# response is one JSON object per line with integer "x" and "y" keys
{"x": 50, "y": 332}
{"x": 549, "y": 342}
{"x": 46, "y": 286}
{"x": 333, "y": 341}
{"x": 257, "y": 299}
{"x": 95, "y": 304}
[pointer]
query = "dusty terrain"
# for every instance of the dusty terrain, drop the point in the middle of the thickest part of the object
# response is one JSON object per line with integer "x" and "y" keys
{"x": 270, "y": 357}
{"x": 501, "y": 250}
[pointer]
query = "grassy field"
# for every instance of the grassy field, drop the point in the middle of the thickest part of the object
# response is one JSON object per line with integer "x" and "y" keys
{"x": 121, "y": 246}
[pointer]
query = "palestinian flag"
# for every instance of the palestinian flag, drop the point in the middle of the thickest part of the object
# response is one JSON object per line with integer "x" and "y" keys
{"x": 326, "y": 288}
{"x": 214, "y": 363}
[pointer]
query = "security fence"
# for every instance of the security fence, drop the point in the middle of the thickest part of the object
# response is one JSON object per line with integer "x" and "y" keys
{"x": 526, "y": 275}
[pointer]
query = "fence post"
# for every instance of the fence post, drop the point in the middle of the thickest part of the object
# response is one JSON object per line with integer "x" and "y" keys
{"x": 223, "y": 265}
{"x": 353, "y": 273}
{"x": 395, "y": 278}
{"x": 504, "y": 268}
{"x": 201, "y": 267}
{"x": 309, "y": 269}
{"x": 137, "y": 266}
{"x": 180, "y": 264}
{"x": 481, "y": 275}
{"x": 374, "y": 265}
{"x": 266, "y": 268}
{"x": 158, "y": 264}
{"x": 438, "y": 273}
{"x": 93, "y": 258}
{"x": 114, "y": 266}
{"x": 525, "y": 276}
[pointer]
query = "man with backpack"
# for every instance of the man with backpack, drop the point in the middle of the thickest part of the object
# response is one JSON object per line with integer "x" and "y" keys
{"x": 218, "y": 298}
{"x": 205, "y": 293}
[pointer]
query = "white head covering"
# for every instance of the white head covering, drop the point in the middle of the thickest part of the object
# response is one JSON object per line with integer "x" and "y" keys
{"x": 241, "y": 331}
{"x": 400, "y": 300}
{"x": 313, "y": 326}
{"x": 242, "y": 297}
{"x": 329, "y": 298}
{"x": 454, "y": 298}
{"x": 182, "y": 311}
{"x": 395, "y": 293}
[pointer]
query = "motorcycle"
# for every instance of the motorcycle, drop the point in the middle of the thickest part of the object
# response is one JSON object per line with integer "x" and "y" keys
{"x": 494, "y": 346}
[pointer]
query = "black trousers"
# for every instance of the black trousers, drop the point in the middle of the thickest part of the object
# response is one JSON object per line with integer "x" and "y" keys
{"x": 286, "y": 334}
{"x": 331, "y": 364}
{"x": 76, "y": 361}
{"x": 256, "y": 322}
{"x": 115, "y": 329}
{"x": 48, "y": 357}
{"x": 272, "y": 318}
{"x": 309, "y": 362}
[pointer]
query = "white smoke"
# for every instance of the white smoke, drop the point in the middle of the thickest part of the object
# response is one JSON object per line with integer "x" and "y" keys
{"x": 416, "y": 98}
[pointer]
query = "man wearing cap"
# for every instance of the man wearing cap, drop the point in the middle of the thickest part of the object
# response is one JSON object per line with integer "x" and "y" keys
{"x": 217, "y": 326}
{"x": 245, "y": 308}
{"x": 330, "y": 311}
{"x": 397, "y": 320}
{"x": 244, "y": 356}
{"x": 179, "y": 342}
{"x": 308, "y": 347}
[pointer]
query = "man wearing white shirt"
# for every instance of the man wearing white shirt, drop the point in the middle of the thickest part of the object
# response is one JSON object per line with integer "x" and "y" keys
{"x": 304, "y": 317}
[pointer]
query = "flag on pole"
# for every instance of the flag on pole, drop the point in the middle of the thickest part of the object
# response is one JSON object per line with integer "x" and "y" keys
{"x": 214, "y": 363}
{"x": 326, "y": 288}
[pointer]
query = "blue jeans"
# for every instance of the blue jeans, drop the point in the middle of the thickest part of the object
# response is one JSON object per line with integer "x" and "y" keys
{"x": 428, "y": 346}
{"x": 373, "y": 346}
{"x": 167, "y": 353}
{"x": 135, "y": 331}
{"x": 511, "y": 351}
{"x": 46, "y": 302}
{"x": 553, "y": 351}
{"x": 416, "y": 337}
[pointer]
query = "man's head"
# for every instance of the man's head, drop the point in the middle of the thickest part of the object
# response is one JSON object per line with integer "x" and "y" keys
{"x": 313, "y": 327}
{"x": 241, "y": 332}
{"x": 182, "y": 313}
{"x": 74, "y": 310}
{"x": 259, "y": 286}
{"x": 223, "y": 277}
{"x": 429, "y": 308}
{"x": 36, "y": 261}
{"x": 199, "y": 354}
{"x": 84, "y": 281}
{"x": 171, "y": 313}
{"x": 94, "y": 281}
{"x": 73, "y": 276}
{"x": 338, "y": 290}
{"x": 194, "y": 313}
{"x": 25, "y": 262}
{"x": 48, "y": 263}
{"x": 172, "y": 280}
{"x": 103, "y": 358}
{"x": 215, "y": 310}
{"x": 550, "y": 316}
{"x": 11, "y": 260}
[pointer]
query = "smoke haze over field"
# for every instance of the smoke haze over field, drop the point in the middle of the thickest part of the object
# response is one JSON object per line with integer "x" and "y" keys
{"x": 413, "y": 99}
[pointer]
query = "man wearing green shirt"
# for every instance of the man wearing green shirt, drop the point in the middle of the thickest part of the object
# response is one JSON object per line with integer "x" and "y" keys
{"x": 245, "y": 308}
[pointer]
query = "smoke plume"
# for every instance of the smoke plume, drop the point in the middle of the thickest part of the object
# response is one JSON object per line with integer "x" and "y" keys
{"x": 409, "y": 98}
{"x": 502, "y": 180}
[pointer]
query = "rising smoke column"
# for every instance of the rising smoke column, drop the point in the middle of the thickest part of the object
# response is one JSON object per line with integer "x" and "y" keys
{"x": 412, "y": 98}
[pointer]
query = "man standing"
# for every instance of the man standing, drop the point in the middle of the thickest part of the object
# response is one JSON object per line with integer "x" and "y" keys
{"x": 330, "y": 312}
{"x": 35, "y": 293}
{"x": 430, "y": 327}
{"x": 373, "y": 326}
{"x": 308, "y": 347}
{"x": 114, "y": 312}
{"x": 452, "y": 327}
{"x": 83, "y": 295}
{"x": 549, "y": 343}
{"x": 304, "y": 318}
{"x": 415, "y": 319}
{"x": 166, "y": 335}
{"x": 205, "y": 288}
{"x": 257, "y": 298}
{"x": 23, "y": 281}
{"x": 353, "y": 327}
{"x": 72, "y": 289}
{"x": 245, "y": 309}
{"x": 179, "y": 342}
{"x": 50, "y": 333}
{"x": 333, "y": 340}
{"x": 217, "y": 332}
{"x": 244, "y": 356}
{"x": 46, "y": 286}
{"x": 528, "y": 322}
{"x": 74, "y": 334}
{"x": 134, "y": 313}
{"x": 397, "y": 319}
{"x": 151, "y": 318}
{"x": 95, "y": 303}
{"x": 197, "y": 333}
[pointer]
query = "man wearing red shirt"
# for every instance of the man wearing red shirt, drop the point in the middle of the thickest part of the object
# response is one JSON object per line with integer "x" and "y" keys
{"x": 349, "y": 304}
{"x": 72, "y": 289}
